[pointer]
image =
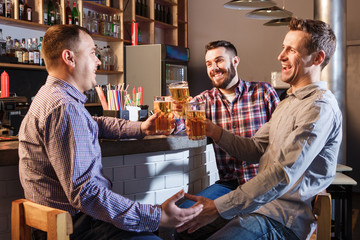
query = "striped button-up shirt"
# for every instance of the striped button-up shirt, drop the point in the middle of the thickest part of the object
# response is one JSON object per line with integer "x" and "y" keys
{"x": 60, "y": 159}
{"x": 251, "y": 108}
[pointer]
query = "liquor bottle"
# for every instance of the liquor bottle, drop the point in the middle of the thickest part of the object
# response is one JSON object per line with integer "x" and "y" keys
{"x": 2, "y": 44}
{"x": 57, "y": 12}
{"x": 27, "y": 12}
{"x": 168, "y": 16}
{"x": 144, "y": 9}
{"x": 42, "y": 63}
{"x": 21, "y": 10}
{"x": 51, "y": 13}
{"x": 98, "y": 54}
{"x": 8, "y": 9}
{"x": 30, "y": 51}
{"x": 88, "y": 21}
{"x": 45, "y": 13}
{"x": 75, "y": 15}
{"x": 36, "y": 51}
{"x": 18, "y": 51}
{"x": 110, "y": 25}
{"x": 68, "y": 13}
{"x": 2, "y": 8}
{"x": 25, "y": 52}
{"x": 139, "y": 34}
{"x": 10, "y": 51}
{"x": 156, "y": 12}
{"x": 111, "y": 59}
{"x": 141, "y": 7}
{"x": 137, "y": 8}
{"x": 94, "y": 23}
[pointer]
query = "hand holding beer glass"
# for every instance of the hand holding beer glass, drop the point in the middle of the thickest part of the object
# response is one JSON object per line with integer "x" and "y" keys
{"x": 164, "y": 122}
{"x": 180, "y": 94}
{"x": 195, "y": 116}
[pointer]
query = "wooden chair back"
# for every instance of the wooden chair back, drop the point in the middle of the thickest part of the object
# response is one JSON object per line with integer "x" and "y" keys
{"x": 322, "y": 210}
{"x": 26, "y": 214}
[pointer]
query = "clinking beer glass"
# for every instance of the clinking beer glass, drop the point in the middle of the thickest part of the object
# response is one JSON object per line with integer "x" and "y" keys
{"x": 180, "y": 93}
{"x": 195, "y": 115}
{"x": 163, "y": 123}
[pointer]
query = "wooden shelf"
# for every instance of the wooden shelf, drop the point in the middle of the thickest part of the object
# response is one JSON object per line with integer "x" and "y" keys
{"x": 166, "y": 2}
{"x": 105, "y": 38}
{"x": 100, "y": 8}
{"x": 163, "y": 25}
{"x": 23, "y": 24}
{"x": 22, "y": 66}
{"x": 105, "y": 72}
{"x": 92, "y": 104}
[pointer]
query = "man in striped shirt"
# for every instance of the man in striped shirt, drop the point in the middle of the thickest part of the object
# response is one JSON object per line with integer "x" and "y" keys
{"x": 60, "y": 157}
{"x": 237, "y": 106}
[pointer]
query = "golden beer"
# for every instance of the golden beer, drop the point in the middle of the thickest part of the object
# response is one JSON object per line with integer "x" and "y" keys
{"x": 163, "y": 121}
{"x": 180, "y": 93}
{"x": 195, "y": 115}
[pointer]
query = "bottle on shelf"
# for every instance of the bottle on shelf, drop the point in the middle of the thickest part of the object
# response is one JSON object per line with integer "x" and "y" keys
{"x": 51, "y": 13}
{"x": 98, "y": 54}
{"x": 2, "y": 44}
{"x": 41, "y": 63}
{"x": 168, "y": 16}
{"x": 30, "y": 49}
{"x": 111, "y": 59}
{"x": 18, "y": 51}
{"x": 27, "y": 12}
{"x": 104, "y": 59}
{"x": 144, "y": 9}
{"x": 94, "y": 23}
{"x": 25, "y": 52}
{"x": 2, "y": 8}
{"x": 36, "y": 51}
{"x": 156, "y": 11}
{"x": 57, "y": 12}
{"x": 88, "y": 21}
{"x": 139, "y": 34}
{"x": 45, "y": 13}
{"x": 21, "y": 10}
{"x": 68, "y": 13}
{"x": 8, "y": 8}
{"x": 75, "y": 15}
{"x": 10, "y": 50}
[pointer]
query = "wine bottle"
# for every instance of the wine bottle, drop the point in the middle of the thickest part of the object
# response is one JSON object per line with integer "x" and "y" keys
{"x": 27, "y": 12}
{"x": 25, "y": 52}
{"x": 75, "y": 15}
{"x": 42, "y": 62}
{"x": 68, "y": 13}
{"x": 21, "y": 10}
{"x": 57, "y": 12}
{"x": 30, "y": 49}
{"x": 51, "y": 13}
{"x": 36, "y": 51}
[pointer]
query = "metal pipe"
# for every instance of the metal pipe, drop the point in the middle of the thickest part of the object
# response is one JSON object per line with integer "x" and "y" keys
{"x": 333, "y": 12}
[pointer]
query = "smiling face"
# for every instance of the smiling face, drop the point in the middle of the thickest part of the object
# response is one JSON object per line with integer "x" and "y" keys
{"x": 297, "y": 63}
{"x": 86, "y": 62}
{"x": 221, "y": 67}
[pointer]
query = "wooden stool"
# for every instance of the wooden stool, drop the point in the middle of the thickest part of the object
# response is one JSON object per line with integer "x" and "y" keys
{"x": 322, "y": 211}
{"x": 26, "y": 214}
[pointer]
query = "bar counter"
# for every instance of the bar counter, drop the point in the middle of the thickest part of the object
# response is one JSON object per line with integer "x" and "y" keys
{"x": 9, "y": 149}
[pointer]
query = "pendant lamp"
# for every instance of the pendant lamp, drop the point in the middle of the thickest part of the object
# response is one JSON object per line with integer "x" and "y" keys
{"x": 269, "y": 13}
{"x": 249, "y": 4}
{"x": 278, "y": 22}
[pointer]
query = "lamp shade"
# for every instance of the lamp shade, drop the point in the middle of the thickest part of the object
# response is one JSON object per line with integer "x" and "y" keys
{"x": 278, "y": 22}
{"x": 249, "y": 4}
{"x": 269, "y": 13}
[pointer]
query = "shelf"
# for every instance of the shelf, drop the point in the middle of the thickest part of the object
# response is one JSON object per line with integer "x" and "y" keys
{"x": 21, "y": 23}
{"x": 105, "y": 38}
{"x": 166, "y": 2}
{"x": 353, "y": 43}
{"x": 100, "y": 8}
{"x": 22, "y": 66}
{"x": 163, "y": 25}
{"x": 92, "y": 104}
{"x": 143, "y": 19}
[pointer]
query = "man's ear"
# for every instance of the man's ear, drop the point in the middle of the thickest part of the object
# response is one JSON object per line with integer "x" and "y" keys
{"x": 236, "y": 61}
{"x": 68, "y": 57}
{"x": 319, "y": 57}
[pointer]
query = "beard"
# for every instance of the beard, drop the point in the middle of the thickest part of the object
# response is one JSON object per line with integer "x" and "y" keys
{"x": 231, "y": 72}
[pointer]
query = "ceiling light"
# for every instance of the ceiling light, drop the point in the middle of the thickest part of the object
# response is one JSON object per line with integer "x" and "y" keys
{"x": 249, "y": 4}
{"x": 278, "y": 22}
{"x": 269, "y": 13}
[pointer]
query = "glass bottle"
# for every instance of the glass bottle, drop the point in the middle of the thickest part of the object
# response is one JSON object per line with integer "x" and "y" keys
{"x": 41, "y": 63}
{"x": 88, "y": 21}
{"x": 27, "y": 12}
{"x": 75, "y": 15}
{"x": 2, "y": 44}
{"x": 144, "y": 9}
{"x": 36, "y": 51}
{"x": 25, "y": 52}
{"x": 104, "y": 59}
{"x": 68, "y": 13}
{"x": 18, "y": 51}
{"x": 57, "y": 12}
{"x": 30, "y": 51}
{"x": 8, "y": 8}
{"x": 2, "y": 8}
{"x": 137, "y": 7}
{"x": 111, "y": 59}
{"x": 45, "y": 13}
{"x": 10, "y": 51}
{"x": 98, "y": 54}
{"x": 21, "y": 10}
{"x": 51, "y": 13}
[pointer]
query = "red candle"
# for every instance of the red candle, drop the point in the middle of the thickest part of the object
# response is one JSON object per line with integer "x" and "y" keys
{"x": 4, "y": 84}
{"x": 134, "y": 33}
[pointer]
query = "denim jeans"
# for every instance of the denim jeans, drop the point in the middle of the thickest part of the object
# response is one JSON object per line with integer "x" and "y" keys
{"x": 88, "y": 228}
{"x": 254, "y": 227}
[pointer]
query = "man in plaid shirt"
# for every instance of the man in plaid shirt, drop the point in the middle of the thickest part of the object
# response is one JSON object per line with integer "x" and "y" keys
{"x": 235, "y": 105}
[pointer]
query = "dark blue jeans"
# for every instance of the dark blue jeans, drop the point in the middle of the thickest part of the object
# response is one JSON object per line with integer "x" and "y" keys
{"x": 88, "y": 228}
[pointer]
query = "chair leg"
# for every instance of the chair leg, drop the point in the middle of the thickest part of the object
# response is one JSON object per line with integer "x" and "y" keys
{"x": 19, "y": 230}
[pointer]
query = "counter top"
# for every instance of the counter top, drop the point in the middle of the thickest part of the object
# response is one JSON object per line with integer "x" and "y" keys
{"x": 9, "y": 149}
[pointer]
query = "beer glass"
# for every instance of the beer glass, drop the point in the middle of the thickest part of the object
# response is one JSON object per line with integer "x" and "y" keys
{"x": 195, "y": 115}
{"x": 180, "y": 93}
{"x": 163, "y": 105}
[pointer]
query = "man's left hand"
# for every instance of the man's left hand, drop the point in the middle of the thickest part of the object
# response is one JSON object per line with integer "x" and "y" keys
{"x": 208, "y": 214}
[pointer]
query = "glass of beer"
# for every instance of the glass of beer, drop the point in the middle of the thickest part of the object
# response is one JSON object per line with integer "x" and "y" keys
{"x": 163, "y": 105}
{"x": 180, "y": 93}
{"x": 195, "y": 115}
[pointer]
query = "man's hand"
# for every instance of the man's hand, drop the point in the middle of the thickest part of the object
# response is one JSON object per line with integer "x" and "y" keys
{"x": 207, "y": 215}
{"x": 173, "y": 216}
{"x": 212, "y": 130}
{"x": 148, "y": 126}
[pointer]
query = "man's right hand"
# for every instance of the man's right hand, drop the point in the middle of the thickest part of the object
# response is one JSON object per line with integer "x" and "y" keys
{"x": 172, "y": 216}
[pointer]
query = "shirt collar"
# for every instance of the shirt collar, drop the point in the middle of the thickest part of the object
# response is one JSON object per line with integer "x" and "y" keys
{"x": 238, "y": 89}
{"x": 307, "y": 90}
{"x": 70, "y": 89}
